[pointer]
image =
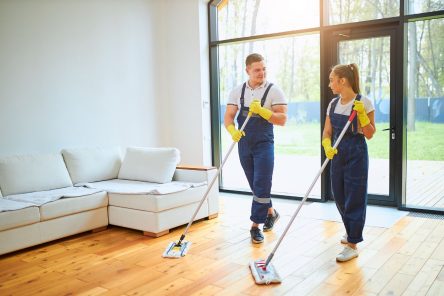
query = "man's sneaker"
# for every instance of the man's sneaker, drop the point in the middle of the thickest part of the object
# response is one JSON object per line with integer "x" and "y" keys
{"x": 270, "y": 221}
{"x": 256, "y": 235}
{"x": 347, "y": 254}
{"x": 344, "y": 239}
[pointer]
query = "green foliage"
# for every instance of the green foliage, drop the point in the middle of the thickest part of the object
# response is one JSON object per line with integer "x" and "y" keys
{"x": 426, "y": 143}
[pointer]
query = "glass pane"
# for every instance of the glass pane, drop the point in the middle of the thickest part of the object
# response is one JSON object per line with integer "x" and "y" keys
{"x": 420, "y": 6}
{"x": 425, "y": 115}
{"x": 297, "y": 144}
{"x": 241, "y": 18}
{"x": 350, "y": 11}
{"x": 372, "y": 55}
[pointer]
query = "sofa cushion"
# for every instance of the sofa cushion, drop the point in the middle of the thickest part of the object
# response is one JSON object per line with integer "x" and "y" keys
{"x": 28, "y": 173}
{"x": 157, "y": 203}
{"x": 17, "y": 218}
{"x": 155, "y": 165}
{"x": 92, "y": 164}
{"x": 73, "y": 205}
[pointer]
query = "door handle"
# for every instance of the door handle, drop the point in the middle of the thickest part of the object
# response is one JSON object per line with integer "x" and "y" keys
{"x": 392, "y": 129}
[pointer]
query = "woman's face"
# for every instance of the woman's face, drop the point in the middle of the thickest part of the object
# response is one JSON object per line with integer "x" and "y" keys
{"x": 336, "y": 84}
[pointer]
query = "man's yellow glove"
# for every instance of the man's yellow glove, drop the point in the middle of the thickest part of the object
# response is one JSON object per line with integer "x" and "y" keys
{"x": 236, "y": 134}
{"x": 362, "y": 114}
{"x": 255, "y": 107}
{"x": 329, "y": 151}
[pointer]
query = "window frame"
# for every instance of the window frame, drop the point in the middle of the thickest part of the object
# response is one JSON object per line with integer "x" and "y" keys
{"x": 399, "y": 22}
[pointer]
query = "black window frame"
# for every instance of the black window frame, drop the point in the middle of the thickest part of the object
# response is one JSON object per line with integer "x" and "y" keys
{"x": 399, "y": 23}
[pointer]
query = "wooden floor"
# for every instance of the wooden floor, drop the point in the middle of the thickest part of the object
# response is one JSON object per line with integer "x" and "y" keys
{"x": 406, "y": 259}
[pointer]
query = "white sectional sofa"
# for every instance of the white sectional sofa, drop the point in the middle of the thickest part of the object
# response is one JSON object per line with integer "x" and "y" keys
{"x": 49, "y": 196}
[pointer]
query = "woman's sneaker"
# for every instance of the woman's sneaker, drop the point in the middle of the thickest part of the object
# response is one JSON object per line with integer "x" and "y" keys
{"x": 256, "y": 235}
{"x": 270, "y": 221}
{"x": 344, "y": 239}
{"x": 347, "y": 254}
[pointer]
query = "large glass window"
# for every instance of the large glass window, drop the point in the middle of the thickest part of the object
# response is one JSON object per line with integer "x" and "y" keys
{"x": 349, "y": 11}
{"x": 293, "y": 63}
{"x": 241, "y": 18}
{"x": 420, "y": 6}
{"x": 425, "y": 114}
{"x": 301, "y": 40}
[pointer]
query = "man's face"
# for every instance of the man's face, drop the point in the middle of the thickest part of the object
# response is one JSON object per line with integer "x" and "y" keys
{"x": 257, "y": 72}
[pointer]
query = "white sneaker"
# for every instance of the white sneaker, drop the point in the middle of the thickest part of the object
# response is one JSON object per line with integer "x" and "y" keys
{"x": 347, "y": 254}
{"x": 344, "y": 239}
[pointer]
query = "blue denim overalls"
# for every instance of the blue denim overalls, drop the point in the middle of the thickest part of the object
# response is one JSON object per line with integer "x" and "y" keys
{"x": 256, "y": 154}
{"x": 349, "y": 174}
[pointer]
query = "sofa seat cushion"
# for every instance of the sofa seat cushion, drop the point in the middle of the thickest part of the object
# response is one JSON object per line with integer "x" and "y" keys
{"x": 157, "y": 203}
{"x": 17, "y": 218}
{"x": 73, "y": 205}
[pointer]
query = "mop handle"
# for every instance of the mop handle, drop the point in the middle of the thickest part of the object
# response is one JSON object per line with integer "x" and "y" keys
{"x": 214, "y": 179}
{"x": 341, "y": 135}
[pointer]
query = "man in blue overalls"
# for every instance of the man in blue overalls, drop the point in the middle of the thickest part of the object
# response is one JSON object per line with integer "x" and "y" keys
{"x": 256, "y": 143}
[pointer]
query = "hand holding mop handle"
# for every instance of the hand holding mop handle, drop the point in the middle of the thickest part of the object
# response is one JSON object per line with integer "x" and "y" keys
{"x": 213, "y": 180}
{"x": 341, "y": 135}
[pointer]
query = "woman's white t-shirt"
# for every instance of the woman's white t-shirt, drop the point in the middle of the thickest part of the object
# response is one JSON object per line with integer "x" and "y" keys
{"x": 347, "y": 108}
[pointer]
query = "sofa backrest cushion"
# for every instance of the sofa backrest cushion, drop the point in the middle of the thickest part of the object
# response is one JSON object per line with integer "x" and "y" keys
{"x": 29, "y": 173}
{"x": 92, "y": 164}
{"x": 156, "y": 165}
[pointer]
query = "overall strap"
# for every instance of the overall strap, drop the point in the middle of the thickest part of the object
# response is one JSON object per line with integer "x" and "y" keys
{"x": 242, "y": 94}
{"x": 333, "y": 106}
{"x": 265, "y": 94}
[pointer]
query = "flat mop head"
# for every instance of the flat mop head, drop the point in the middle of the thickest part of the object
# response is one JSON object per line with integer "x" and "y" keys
{"x": 264, "y": 275}
{"x": 176, "y": 250}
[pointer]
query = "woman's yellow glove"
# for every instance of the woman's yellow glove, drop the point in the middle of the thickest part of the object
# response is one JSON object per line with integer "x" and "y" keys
{"x": 236, "y": 134}
{"x": 362, "y": 114}
{"x": 329, "y": 151}
{"x": 255, "y": 107}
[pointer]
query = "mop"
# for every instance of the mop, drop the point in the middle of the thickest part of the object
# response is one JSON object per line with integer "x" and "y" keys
{"x": 180, "y": 248}
{"x": 262, "y": 270}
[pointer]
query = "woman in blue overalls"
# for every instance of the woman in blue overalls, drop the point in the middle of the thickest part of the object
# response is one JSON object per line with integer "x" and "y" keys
{"x": 349, "y": 162}
{"x": 256, "y": 148}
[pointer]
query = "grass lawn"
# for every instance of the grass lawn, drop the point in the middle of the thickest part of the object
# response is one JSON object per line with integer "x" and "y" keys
{"x": 426, "y": 143}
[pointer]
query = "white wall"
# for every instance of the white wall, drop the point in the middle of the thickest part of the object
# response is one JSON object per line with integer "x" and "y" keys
{"x": 78, "y": 73}
{"x": 104, "y": 72}
{"x": 186, "y": 80}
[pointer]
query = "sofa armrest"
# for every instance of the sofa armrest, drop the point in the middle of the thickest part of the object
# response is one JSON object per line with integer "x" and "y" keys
{"x": 201, "y": 174}
{"x": 194, "y": 173}
{"x": 195, "y": 167}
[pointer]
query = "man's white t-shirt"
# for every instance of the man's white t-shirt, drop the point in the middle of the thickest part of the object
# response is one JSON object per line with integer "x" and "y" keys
{"x": 347, "y": 108}
{"x": 275, "y": 95}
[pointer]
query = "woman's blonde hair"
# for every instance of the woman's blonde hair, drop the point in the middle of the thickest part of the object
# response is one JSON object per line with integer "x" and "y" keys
{"x": 349, "y": 72}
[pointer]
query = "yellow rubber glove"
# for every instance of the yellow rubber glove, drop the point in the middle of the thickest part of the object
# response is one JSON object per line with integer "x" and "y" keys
{"x": 255, "y": 107}
{"x": 362, "y": 114}
{"x": 329, "y": 151}
{"x": 236, "y": 134}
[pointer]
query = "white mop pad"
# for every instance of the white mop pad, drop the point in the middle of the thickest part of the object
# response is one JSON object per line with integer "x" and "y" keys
{"x": 264, "y": 276}
{"x": 174, "y": 251}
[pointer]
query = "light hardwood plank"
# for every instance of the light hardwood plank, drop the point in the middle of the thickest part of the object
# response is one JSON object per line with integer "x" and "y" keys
{"x": 406, "y": 259}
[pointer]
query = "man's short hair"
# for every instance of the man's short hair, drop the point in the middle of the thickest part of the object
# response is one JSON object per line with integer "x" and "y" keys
{"x": 253, "y": 58}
